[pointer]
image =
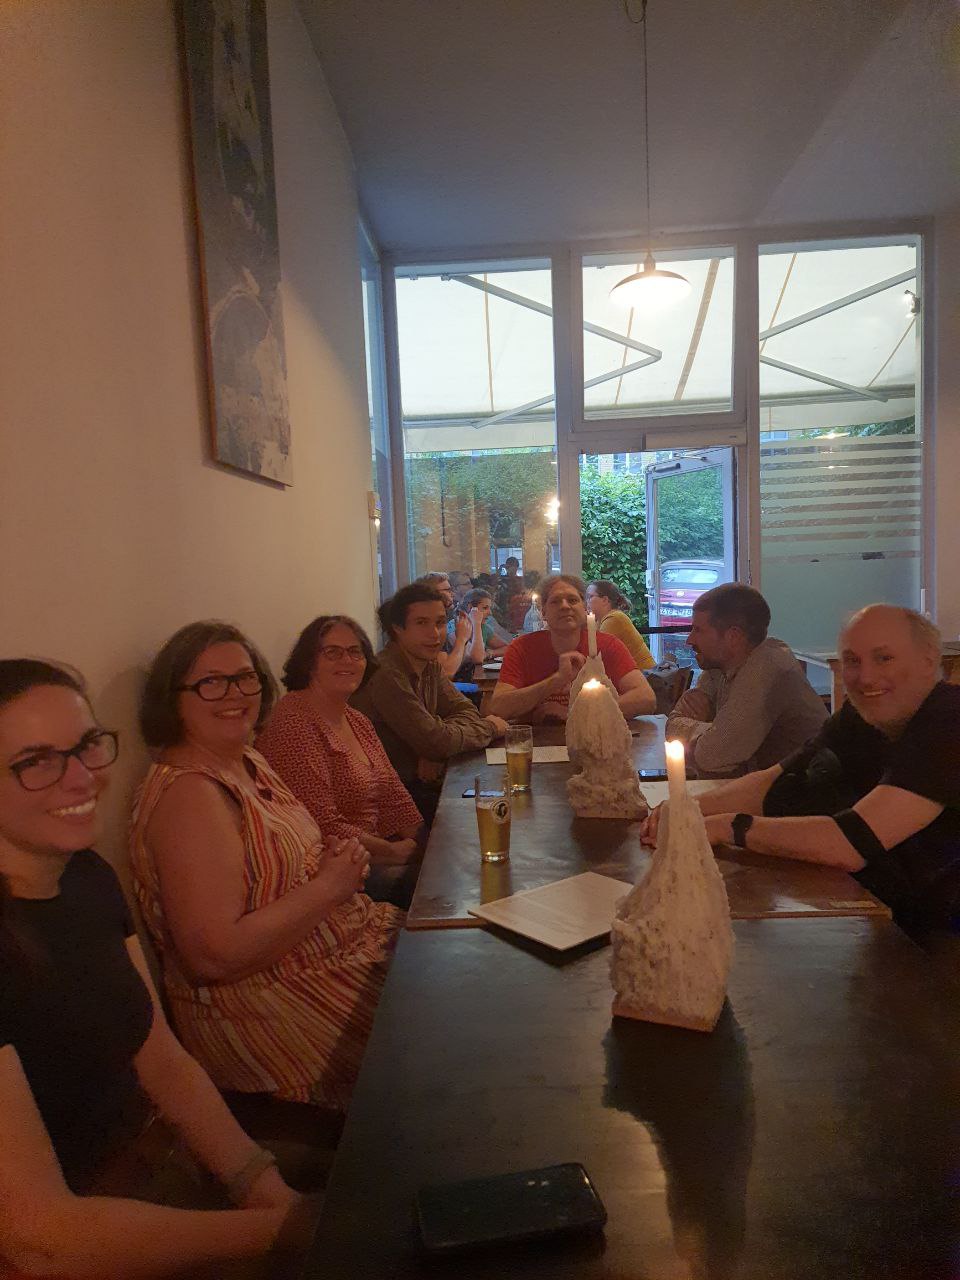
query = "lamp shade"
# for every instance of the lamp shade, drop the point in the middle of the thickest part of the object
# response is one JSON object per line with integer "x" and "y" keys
{"x": 650, "y": 288}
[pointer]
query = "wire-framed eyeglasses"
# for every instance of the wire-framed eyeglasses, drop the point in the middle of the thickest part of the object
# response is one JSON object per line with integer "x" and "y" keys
{"x": 337, "y": 652}
{"x": 213, "y": 688}
{"x": 45, "y": 767}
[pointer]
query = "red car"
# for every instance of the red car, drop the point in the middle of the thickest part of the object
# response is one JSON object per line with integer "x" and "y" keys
{"x": 682, "y": 582}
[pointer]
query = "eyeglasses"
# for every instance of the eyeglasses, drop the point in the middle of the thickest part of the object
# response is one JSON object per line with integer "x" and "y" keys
{"x": 45, "y": 768}
{"x": 213, "y": 688}
{"x": 336, "y": 652}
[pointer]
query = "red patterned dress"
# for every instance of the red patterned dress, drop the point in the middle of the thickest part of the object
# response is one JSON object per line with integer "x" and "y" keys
{"x": 346, "y": 796}
{"x": 298, "y": 1028}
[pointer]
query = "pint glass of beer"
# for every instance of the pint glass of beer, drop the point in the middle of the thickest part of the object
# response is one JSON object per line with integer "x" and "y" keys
{"x": 519, "y": 748}
{"x": 493, "y": 824}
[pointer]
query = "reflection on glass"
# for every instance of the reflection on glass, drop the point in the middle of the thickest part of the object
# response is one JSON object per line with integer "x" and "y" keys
{"x": 693, "y": 1093}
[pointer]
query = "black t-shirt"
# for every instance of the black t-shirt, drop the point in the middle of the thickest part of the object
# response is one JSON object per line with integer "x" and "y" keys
{"x": 919, "y": 878}
{"x": 76, "y": 1011}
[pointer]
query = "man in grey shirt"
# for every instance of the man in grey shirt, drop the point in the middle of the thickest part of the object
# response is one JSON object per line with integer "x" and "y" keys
{"x": 752, "y": 705}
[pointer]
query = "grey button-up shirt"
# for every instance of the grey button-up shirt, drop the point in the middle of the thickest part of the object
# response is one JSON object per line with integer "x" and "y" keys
{"x": 760, "y": 714}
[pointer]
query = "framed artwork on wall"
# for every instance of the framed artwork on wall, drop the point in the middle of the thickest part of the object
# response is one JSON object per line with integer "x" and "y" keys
{"x": 228, "y": 82}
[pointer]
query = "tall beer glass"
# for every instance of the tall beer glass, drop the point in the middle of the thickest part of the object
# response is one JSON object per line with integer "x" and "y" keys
{"x": 493, "y": 824}
{"x": 519, "y": 749}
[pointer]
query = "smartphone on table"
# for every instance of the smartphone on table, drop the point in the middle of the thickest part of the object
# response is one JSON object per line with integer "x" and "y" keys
{"x": 530, "y": 1205}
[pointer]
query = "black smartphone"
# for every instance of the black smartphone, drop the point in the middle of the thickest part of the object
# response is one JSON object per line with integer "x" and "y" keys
{"x": 530, "y": 1205}
{"x": 470, "y": 794}
{"x": 652, "y": 775}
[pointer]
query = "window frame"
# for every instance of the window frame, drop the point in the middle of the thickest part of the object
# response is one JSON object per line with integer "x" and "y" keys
{"x": 738, "y": 427}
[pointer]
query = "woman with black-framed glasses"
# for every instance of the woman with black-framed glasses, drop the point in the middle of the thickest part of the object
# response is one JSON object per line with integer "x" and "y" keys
{"x": 273, "y": 956}
{"x": 331, "y": 758}
{"x": 94, "y": 1087}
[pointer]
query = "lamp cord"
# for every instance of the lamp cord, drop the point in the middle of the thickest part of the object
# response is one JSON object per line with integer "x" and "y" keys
{"x": 642, "y": 22}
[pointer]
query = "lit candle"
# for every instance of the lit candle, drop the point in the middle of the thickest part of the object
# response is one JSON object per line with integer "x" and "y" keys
{"x": 591, "y": 685}
{"x": 592, "y": 635}
{"x": 676, "y": 770}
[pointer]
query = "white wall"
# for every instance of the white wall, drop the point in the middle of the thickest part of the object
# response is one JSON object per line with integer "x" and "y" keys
{"x": 115, "y": 528}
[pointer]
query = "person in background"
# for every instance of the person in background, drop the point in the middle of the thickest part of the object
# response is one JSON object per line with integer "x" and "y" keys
{"x": 877, "y": 790}
{"x": 330, "y": 757}
{"x": 510, "y": 586}
{"x": 273, "y": 956}
{"x": 753, "y": 704}
{"x": 457, "y": 641}
{"x": 609, "y": 606}
{"x": 476, "y": 605}
{"x": 420, "y": 717}
{"x": 105, "y": 1114}
{"x": 539, "y": 668}
{"x": 460, "y": 584}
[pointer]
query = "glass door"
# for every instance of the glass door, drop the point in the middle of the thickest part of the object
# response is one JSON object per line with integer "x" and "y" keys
{"x": 691, "y": 538}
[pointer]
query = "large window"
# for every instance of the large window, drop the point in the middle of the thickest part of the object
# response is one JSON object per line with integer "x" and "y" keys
{"x": 840, "y": 444}
{"x": 666, "y": 361}
{"x": 479, "y": 433}
{"x": 820, "y": 417}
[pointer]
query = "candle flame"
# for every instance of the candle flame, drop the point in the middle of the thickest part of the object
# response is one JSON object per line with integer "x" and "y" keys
{"x": 593, "y": 684}
{"x": 674, "y": 750}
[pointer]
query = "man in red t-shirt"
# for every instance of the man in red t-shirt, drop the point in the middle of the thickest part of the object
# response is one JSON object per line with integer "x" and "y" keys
{"x": 538, "y": 669}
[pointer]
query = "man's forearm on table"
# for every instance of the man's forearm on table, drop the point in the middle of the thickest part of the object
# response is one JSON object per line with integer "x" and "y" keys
{"x": 508, "y": 701}
{"x": 807, "y": 839}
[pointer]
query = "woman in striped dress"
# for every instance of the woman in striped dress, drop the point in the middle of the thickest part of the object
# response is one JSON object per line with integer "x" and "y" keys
{"x": 273, "y": 957}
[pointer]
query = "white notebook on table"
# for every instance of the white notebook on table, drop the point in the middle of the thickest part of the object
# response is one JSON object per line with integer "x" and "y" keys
{"x": 560, "y": 915}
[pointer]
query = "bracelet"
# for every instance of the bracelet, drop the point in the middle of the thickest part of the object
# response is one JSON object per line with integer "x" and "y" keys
{"x": 240, "y": 1184}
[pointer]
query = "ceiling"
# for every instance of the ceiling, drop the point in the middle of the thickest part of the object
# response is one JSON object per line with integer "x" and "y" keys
{"x": 512, "y": 122}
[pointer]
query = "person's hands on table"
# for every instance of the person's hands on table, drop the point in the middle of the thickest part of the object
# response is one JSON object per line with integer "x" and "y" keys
{"x": 500, "y": 726}
{"x": 650, "y": 826}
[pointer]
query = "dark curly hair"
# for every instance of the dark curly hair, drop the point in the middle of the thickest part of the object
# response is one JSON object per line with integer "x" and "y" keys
{"x": 160, "y": 721}
{"x": 393, "y": 612}
{"x": 298, "y": 668}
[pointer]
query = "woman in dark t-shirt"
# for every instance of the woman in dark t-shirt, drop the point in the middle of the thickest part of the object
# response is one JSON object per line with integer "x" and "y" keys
{"x": 87, "y": 1061}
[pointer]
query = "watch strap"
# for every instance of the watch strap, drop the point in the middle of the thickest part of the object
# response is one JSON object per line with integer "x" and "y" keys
{"x": 742, "y": 822}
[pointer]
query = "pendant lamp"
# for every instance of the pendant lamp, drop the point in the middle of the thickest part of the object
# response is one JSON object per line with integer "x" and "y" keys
{"x": 649, "y": 288}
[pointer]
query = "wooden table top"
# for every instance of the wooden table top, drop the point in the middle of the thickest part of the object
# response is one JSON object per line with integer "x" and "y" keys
{"x": 548, "y": 842}
{"x": 810, "y": 1135}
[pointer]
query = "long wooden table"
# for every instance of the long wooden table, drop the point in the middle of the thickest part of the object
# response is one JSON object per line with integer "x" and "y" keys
{"x": 548, "y": 842}
{"x": 812, "y": 1134}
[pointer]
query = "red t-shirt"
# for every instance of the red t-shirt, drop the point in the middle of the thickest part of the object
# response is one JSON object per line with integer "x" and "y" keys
{"x": 532, "y": 658}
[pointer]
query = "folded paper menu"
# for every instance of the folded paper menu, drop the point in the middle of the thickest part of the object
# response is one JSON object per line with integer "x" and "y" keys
{"x": 656, "y": 792}
{"x": 560, "y": 915}
{"x": 541, "y": 755}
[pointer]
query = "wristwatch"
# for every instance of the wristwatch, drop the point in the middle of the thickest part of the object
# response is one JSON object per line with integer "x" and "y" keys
{"x": 742, "y": 822}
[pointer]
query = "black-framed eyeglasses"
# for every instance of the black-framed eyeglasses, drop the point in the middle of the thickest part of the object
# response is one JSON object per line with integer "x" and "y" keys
{"x": 213, "y": 688}
{"x": 46, "y": 767}
{"x": 336, "y": 652}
